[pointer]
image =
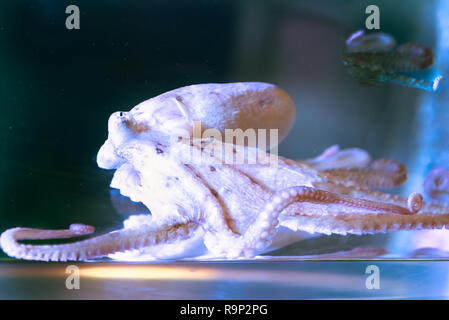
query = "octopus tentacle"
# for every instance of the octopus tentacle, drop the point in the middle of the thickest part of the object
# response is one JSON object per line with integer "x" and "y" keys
{"x": 333, "y": 158}
{"x": 360, "y": 223}
{"x": 382, "y": 173}
{"x": 120, "y": 240}
{"x": 436, "y": 185}
{"x": 259, "y": 235}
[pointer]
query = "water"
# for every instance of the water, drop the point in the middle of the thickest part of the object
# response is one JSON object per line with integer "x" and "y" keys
{"x": 59, "y": 86}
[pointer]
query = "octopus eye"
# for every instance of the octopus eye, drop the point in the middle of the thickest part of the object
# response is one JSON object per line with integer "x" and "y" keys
{"x": 123, "y": 115}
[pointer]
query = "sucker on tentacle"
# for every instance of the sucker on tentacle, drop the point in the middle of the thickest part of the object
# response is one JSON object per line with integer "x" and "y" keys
{"x": 259, "y": 234}
{"x": 382, "y": 173}
{"x": 116, "y": 241}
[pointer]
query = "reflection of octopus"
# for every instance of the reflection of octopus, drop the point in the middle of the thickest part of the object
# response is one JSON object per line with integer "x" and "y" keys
{"x": 215, "y": 209}
{"x": 372, "y": 58}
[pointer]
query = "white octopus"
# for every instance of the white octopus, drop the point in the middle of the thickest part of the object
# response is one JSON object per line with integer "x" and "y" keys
{"x": 216, "y": 209}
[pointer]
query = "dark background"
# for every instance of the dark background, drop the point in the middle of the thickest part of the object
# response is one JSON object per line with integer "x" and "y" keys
{"x": 58, "y": 86}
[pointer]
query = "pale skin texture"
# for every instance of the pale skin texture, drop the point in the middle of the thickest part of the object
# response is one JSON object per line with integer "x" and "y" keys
{"x": 213, "y": 209}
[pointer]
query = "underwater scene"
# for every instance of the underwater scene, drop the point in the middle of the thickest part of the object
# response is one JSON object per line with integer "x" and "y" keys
{"x": 246, "y": 149}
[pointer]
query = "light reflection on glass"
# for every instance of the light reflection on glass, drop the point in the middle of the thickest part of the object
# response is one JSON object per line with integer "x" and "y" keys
{"x": 217, "y": 273}
{"x": 147, "y": 272}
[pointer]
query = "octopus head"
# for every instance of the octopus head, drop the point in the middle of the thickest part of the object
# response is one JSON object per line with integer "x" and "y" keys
{"x": 122, "y": 128}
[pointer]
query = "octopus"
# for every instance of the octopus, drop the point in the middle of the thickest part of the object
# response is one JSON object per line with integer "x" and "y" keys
{"x": 203, "y": 205}
{"x": 436, "y": 185}
{"x": 374, "y": 58}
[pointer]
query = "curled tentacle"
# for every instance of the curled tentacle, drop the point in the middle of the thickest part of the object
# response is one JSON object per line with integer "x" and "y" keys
{"x": 415, "y": 202}
{"x": 382, "y": 173}
{"x": 436, "y": 185}
{"x": 259, "y": 235}
{"x": 117, "y": 241}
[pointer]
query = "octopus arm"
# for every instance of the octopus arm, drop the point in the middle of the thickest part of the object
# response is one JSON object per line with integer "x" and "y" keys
{"x": 368, "y": 217}
{"x": 351, "y": 165}
{"x": 116, "y": 241}
{"x": 259, "y": 235}
{"x": 363, "y": 223}
{"x": 334, "y": 158}
{"x": 382, "y": 173}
